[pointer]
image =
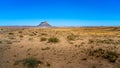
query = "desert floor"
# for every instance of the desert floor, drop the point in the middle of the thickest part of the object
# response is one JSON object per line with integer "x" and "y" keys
{"x": 95, "y": 47}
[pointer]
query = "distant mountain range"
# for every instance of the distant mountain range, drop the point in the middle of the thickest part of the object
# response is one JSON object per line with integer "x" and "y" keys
{"x": 46, "y": 24}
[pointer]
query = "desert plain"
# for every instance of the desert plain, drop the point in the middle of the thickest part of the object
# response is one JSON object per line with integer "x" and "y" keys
{"x": 60, "y": 47}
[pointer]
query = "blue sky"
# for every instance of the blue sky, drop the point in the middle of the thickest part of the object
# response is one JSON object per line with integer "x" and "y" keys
{"x": 60, "y": 12}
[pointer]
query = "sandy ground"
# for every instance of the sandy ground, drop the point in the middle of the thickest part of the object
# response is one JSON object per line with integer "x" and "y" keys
{"x": 76, "y": 47}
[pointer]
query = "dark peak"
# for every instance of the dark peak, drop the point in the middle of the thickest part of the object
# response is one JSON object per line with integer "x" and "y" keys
{"x": 44, "y": 24}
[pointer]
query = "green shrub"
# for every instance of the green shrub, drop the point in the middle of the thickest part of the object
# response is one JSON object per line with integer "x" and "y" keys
{"x": 53, "y": 40}
{"x": 29, "y": 62}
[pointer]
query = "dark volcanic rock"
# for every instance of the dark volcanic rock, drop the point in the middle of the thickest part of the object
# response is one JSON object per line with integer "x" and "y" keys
{"x": 44, "y": 24}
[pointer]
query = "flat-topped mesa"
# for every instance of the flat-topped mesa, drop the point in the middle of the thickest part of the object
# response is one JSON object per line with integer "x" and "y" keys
{"x": 44, "y": 24}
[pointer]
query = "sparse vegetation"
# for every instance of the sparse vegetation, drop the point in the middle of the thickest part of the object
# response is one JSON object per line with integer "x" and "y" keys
{"x": 10, "y": 33}
{"x": 71, "y": 37}
{"x": 90, "y": 41}
{"x": 29, "y": 62}
{"x": 29, "y": 49}
{"x": 106, "y": 54}
{"x": 103, "y": 41}
{"x": 43, "y": 34}
{"x": 11, "y": 38}
{"x": 43, "y": 39}
{"x": 111, "y": 56}
{"x": 1, "y": 28}
{"x": 47, "y": 64}
{"x": 20, "y": 32}
{"x": 21, "y": 36}
{"x": 53, "y": 40}
{"x": 8, "y": 41}
{"x": 0, "y": 42}
{"x": 15, "y": 55}
{"x": 82, "y": 47}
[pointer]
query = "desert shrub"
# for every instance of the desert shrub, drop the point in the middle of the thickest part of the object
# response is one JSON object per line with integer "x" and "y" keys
{"x": 93, "y": 66}
{"x": 71, "y": 37}
{"x": 43, "y": 39}
{"x": 15, "y": 55}
{"x": 43, "y": 34}
{"x": 53, "y": 40}
{"x": 106, "y": 54}
{"x": 97, "y": 52}
{"x": 108, "y": 41}
{"x": 7, "y": 62}
{"x": 111, "y": 56}
{"x": 84, "y": 59}
{"x": 21, "y": 36}
{"x": 8, "y": 41}
{"x": 11, "y": 38}
{"x": 103, "y": 41}
{"x": 29, "y": 62}
{"x": 48, "y": 64}
{"x": 1, "y": 28}
{"x": 17, "y": 62}
{"x": 10, "y": 33}
{"x": 29, "y": 49}
{"x": 20, "y": 32}
{"x": 90, "y": 41}
{"x": 0, "y": 42}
